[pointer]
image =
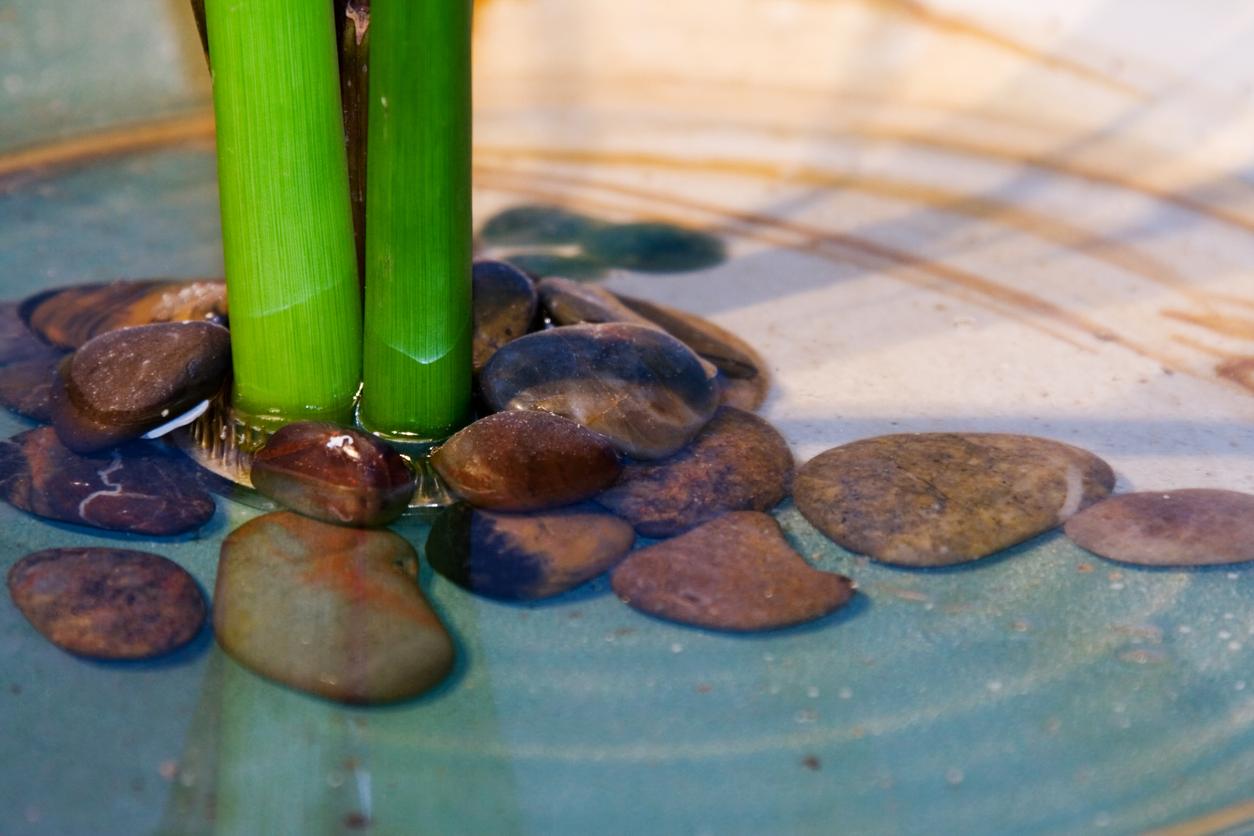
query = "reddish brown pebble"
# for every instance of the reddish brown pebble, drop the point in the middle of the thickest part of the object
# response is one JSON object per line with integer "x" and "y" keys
{"x": 525, "y": 556}
{"x": 135, "y": 487}
{"x": 26, "y": 387}
{"x": 743, "y": 378}
{"x": 126, "y": 382}
{"x": 504, "y": 303}
{"x": 734, "y": 573}
{"x": 108, "y": 603}
{"x": 69, "y": 317}
{"x": 334, "y": 474}
{"x": 738, "y": 462}
{"x": 17, "y": 342}
{"x": 1191, "y": 527}
{"x": 526, "y": 461}
{"x": 935, "y": 499}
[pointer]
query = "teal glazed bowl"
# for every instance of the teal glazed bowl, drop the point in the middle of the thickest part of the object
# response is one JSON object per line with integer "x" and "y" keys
{"x": 968, "y": 216}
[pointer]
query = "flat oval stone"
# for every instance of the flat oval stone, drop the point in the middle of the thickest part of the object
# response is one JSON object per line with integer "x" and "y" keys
{"x": 526, "y": 461}
{"x": 135, "y": 488}
{"x": 736, "y": 572}
{"x": 108, "y": 603}
{"x": 126, "y": 382}
{"x": 505, "y": 305}
{"x": 26, "y": 387}
{"x": 738, "y": 462}
{"x": 331, "y": 610}
{"x": 643, "y": 389}
{"x": 537, "y": 224}
{"x": 522, "y": 557}
{"x": 68, "y": 317}
{"x": 743, "y": 376}
{"x": 334, "y": 474}
{"x": 935, "y": 499}
{"x": 654, "y": 247}
{"x": 1190, "y": 527}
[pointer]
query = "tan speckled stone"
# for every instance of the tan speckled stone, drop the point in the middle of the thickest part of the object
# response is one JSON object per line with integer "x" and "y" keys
{"x": 935, "y": 499}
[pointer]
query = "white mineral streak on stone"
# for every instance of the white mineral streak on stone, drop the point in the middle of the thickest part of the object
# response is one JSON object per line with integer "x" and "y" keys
{"x": 1075, "y": 492}
{"x": 178, "y": 421}
{"x": 115, "y": 464}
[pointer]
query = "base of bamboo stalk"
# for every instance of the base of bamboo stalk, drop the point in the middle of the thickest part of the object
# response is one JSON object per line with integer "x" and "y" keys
{"x": 222, "y": 443}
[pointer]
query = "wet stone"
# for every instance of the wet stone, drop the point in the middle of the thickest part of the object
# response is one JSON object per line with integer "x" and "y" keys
{"x": 736, "y": 572}
{"x": 327, "y": 609}
{"x": 738, "y": 462}
{"x": 69, "y": 317}
{"x": 522, "y": 557}
{"x": 334, "y": 474}
{"x": 742, "y": 373}
{"x": 108, "y": 603}
{"x": 135, "y": 488}
{"x": 17, "y": 342}
{"x": 537, "y": 224}
{"x": 505, "y": 305}
{"x": 26, "y": 387}
{"x": 1190, "y": 527}
{"x": 654, "y": 247}
{"x": 126, "y": 382}
{"x": 935, "y": 499}
{"x": 571, "y": 303}
{"x": 540, "y": 265}
{"x": 525, "y": 461}
{"x": 644, "y": 390}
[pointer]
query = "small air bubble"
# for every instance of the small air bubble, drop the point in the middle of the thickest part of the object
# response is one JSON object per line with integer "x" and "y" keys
{"x": 812, "y": 692}
{"x": 677, "y": 648}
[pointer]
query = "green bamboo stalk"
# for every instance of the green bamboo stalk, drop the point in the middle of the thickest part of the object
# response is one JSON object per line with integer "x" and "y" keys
{"x": 286, "y": 225}
{"x": 418, "y": 227}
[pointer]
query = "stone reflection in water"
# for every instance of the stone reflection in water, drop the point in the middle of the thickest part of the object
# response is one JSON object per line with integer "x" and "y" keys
{"x": 537, "y": 224}
{"x": 68, "y": 317}
{"x": 654, "y": 247}
{"x": 553, "y": 241}
{"x": 542, "y": 265}
{"x": 135, "y": 487}
{"x": 523, "y": 557}
{"x": 328, "y": 609}
{"x": 108, "y": 603}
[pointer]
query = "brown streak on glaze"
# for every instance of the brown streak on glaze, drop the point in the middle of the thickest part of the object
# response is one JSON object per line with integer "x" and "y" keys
{"x": 1223, "y": 820}
{"x": 773, "y": 232}
{"x": 194, "y": 128}
{"x": 1022, "y": 306}
{"x": 1069, "y": 236}
{"x": 1228, "y": 326}
{"x": 954, "y": 25}
{"x": 1238, "y": 370}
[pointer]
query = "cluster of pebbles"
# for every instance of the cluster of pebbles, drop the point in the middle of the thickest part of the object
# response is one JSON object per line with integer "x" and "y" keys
{"x": 618, "y": 435}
